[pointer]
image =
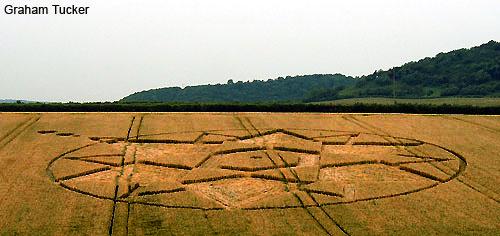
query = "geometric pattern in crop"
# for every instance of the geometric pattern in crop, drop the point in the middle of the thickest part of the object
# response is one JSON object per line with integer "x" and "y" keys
{"x": 276, "y": 168}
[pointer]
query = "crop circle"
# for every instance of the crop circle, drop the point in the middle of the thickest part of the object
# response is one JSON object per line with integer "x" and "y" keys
{"x": 272, "y": 169}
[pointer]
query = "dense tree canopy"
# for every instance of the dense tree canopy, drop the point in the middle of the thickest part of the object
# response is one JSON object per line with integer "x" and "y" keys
{"x": 463, "y": 72}
{"x": 281, "y": 89}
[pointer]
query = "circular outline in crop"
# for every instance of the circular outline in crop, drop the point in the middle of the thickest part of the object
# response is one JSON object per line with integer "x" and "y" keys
{"x": 460, "y": 158}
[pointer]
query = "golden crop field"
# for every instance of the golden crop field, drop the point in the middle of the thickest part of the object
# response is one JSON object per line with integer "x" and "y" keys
{"x": 249, "y": 174}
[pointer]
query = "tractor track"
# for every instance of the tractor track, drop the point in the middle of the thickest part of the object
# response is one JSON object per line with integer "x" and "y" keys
{"x": 462, "y": 165}
{"x": 18, "y": 130}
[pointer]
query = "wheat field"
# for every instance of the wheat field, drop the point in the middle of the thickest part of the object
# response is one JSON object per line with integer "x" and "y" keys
{"x": 249, "y": 174}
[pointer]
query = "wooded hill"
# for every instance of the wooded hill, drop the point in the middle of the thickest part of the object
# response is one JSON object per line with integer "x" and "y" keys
{"x": 473, "y": 72}
{"x": 281, "y": 89}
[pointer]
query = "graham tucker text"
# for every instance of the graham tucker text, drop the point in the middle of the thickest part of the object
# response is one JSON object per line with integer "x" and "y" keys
{"x": 45, "y": 10}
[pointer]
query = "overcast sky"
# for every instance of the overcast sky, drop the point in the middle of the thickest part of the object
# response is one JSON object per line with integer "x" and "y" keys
{"x": 124, "y": 46}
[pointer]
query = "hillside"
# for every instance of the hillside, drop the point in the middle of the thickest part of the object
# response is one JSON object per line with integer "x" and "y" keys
{"x": 473, "y": 72}
{"x": 281, "y": 89}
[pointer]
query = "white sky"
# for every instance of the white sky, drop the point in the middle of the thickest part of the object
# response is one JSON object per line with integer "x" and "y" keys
{"x": 124, "y": 46}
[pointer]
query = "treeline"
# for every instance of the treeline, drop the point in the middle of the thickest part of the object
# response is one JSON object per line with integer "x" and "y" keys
{"x": 250, "y": 107}
{"x": 287, "y": 89}
{"x": 473, "y": 72}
